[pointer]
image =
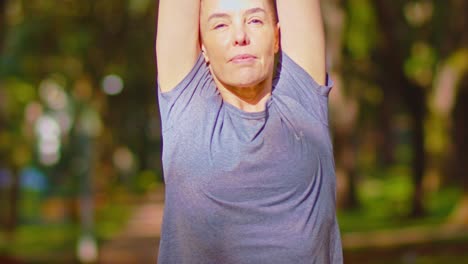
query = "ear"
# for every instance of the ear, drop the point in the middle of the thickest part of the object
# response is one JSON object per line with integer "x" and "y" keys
{"x": 203, "y": 50}
{"x": 277, "y": 37}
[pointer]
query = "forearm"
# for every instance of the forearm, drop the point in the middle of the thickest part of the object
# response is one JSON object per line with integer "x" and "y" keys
{"x": 302, "y": 34}
{"x": 177, "y": 39}
{"x": 177, "y": 18}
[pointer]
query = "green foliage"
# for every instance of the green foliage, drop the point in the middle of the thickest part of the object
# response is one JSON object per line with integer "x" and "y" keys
{"x": 75, "y": 42}
{"x": 385, "y": 203}
{"x": 146, "y": 181}
{"x": 42, "y": 242}
{"x": 111, "y": 218}
{"x": 18, "y": 93}
{"x": 138, "y": 7}
{"x": 421, "y": 63}
{"x": 362, "y": 30}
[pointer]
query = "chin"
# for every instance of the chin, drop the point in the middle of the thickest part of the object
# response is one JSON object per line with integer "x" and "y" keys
{"x": 244, "y": 83}
{"x": 246, "y": 80}
{"x": 240, "y": 78}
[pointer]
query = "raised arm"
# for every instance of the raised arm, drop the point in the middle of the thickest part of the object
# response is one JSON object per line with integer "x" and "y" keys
{"x": 177, "y": 44}
{"x": 302, "y": 35}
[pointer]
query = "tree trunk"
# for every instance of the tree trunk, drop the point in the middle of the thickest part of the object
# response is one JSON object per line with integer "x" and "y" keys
{"x": 413, "y": 96}
{"x": 460, "y": 165}
{"x": 2, "y": 24}
{"x": 416, "y": 103}
{"x": 12, "y": 216}
{"x": 347, "y": 157}
{"x": 386, "y": 143}
{"x": 3, "y": 189}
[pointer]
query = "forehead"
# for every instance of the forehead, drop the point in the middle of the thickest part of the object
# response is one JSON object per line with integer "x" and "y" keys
{"x": 232, "y": 6}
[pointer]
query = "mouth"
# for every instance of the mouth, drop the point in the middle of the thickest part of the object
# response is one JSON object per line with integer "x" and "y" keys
{"x": 243, "y": 58}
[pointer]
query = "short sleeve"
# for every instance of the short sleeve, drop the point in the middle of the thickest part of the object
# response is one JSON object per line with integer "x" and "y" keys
{"x": 175, "y": 104}
{"x": 293, "y": 82}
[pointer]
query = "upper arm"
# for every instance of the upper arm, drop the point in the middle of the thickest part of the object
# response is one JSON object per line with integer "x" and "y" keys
{"x": 302, "y": 35}
{"x": 177, "y": 40}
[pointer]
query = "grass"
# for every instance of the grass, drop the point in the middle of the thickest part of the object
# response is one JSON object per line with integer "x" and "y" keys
{"x": 36, "y": 242}
{"x": 39, "y": 242}
{"x": 385, "y": 200}
{"x": 385, "y": 204}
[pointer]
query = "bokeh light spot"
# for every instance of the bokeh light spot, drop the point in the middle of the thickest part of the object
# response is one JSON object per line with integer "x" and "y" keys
{"x": 112, "y": 84}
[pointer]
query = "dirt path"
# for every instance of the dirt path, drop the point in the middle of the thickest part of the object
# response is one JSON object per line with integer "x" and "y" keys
{"x": 139, "y": 241}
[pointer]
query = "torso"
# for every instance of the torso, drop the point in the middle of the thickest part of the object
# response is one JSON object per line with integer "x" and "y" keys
{"x": 247, "y": 187}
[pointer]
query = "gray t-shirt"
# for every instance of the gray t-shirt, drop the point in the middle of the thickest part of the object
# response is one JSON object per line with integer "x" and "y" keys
{"x": 248, "y": 187}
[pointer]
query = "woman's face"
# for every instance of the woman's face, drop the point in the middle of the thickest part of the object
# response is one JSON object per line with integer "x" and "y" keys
{"x": 239, "y": 40}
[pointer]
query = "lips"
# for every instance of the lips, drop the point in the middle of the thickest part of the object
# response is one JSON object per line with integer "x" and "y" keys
{"x": 242, "y": 58}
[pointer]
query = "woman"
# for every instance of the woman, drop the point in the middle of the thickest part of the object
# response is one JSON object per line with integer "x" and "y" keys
{"x": 247, "y": 158}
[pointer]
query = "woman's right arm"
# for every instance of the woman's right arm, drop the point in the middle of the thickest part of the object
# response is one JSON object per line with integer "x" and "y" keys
{"x": 177, "y": 40}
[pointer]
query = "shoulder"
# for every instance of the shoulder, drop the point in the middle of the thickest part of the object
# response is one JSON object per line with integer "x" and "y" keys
{"x": 198, "y": 75}
{"x": 294, "y": 76}
{"x": 188, "y": 97}
{"x": 296, "y": 92}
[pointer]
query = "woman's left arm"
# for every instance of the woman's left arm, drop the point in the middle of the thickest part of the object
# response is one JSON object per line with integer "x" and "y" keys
{"x": 302, "y": 35}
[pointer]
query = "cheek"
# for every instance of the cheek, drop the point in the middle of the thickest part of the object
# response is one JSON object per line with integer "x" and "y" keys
{"x": 216, "y": 58}
{"x": 221, "y": 42}
{"x": 265, "y": 40}
{"x": 216, "y": 46}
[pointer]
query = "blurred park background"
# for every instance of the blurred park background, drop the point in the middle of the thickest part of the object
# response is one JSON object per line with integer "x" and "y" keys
{"x": 80, "y": 145}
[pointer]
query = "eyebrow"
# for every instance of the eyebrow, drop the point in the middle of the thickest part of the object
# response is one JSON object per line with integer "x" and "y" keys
{"x": 255, "y": 10}
{"x": 218, "y": 15}
{"x": 248, "y": 12}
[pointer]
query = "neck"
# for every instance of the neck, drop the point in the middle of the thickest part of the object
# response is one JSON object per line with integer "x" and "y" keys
{"x": 248, "y": 99}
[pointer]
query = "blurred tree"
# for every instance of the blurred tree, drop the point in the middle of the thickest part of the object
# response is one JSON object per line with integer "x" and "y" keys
{"x": 414, "y": 36}
{"x": 460, "y": 157}
{"x": 78, "y": 44}
{"x": 448, "y": 101}
{"x": 396, "y": 40}
{"x": 2, "y": 118}
{"x": 2, "y": 23}
{"x": 12, "y": 147}
{"x": 342, "y": 101}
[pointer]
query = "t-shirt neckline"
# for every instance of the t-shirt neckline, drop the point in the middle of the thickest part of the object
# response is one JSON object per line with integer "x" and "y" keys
{"x": 248, "y": 115}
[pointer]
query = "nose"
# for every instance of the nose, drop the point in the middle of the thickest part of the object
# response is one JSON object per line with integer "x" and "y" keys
{"x": 241, "y": 38}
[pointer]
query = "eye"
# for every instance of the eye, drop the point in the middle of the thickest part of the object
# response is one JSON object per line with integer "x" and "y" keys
{"x": 219, "y": 26}
{"x": 256, "y": 21}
